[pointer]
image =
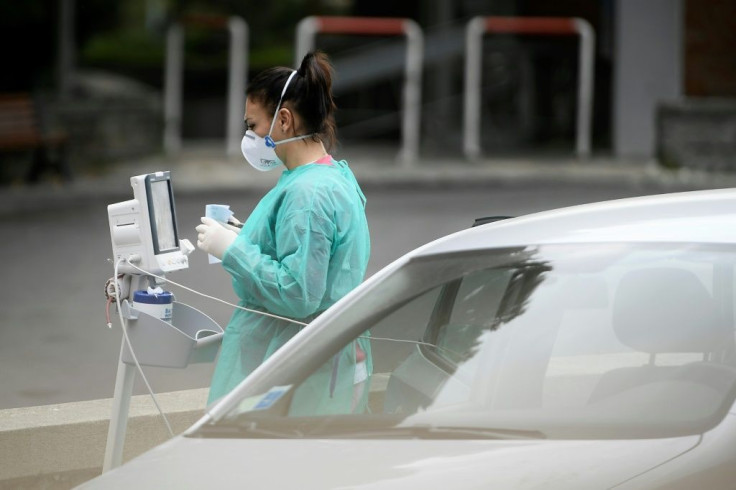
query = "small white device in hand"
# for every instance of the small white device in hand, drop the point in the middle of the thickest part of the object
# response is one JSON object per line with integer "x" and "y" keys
{"x": 220, "y": 213}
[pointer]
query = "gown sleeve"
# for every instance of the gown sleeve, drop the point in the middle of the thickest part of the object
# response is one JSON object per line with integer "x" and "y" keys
{"x": 294, "y": 282}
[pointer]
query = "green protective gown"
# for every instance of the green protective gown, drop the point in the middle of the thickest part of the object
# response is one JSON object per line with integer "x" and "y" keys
{"x": 304, "y": 246}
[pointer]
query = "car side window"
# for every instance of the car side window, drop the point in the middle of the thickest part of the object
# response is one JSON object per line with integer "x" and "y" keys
{"x": 473, "y": 310}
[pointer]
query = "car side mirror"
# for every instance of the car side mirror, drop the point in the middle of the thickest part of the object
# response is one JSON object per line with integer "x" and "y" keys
{"x": 488, "y": 219}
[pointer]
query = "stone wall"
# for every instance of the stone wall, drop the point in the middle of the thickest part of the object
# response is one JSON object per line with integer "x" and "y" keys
{"x": 697, "y": 133}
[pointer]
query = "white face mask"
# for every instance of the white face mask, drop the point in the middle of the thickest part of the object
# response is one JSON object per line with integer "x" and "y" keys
{"x": 261, "y": 152}
{"x": 257, "y": 152}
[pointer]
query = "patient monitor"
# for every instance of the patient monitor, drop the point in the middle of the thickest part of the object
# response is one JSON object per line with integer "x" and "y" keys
{"x": 143, "y": 230}
{"x": 145, "y": 246}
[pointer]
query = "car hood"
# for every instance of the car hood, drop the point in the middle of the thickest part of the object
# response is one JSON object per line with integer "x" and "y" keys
{"x": 390, "y": 464}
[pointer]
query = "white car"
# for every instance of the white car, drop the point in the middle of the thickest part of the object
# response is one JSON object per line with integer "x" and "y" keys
{"x": 585, "y": 347}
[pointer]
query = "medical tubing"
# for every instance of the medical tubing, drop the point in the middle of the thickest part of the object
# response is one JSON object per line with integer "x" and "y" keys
{"x": 107, "y": 312}
{"x": 132, "y": 352}
{"x": 264, "y": 313}
{"x": 370, "y": 337}
{"x": 111, "y": 294}
{"x": 415, "y": 342}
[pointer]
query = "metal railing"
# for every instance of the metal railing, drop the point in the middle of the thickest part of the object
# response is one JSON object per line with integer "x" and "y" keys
{"x": 552, "y": 26}
{"x": 307, "y": 31}
{"x": 309, "y": 27}
{"x": 174, "y": 81}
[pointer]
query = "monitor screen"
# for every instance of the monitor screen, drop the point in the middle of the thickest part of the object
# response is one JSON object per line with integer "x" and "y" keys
{"x": 163, "y": 219}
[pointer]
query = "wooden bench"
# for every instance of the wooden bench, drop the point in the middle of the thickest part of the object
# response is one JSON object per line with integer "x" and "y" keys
{"x": 22, "y": 129}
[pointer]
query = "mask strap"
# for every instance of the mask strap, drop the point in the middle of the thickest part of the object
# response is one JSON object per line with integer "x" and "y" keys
{"x": 269, "y": 141}
{"x": 293, "y": 138}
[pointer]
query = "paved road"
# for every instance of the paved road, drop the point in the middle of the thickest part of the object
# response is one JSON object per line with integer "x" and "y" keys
{"x": 54, "y": 344}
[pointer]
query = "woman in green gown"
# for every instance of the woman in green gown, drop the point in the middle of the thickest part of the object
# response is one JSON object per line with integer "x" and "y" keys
{"x": 304, "y": 246}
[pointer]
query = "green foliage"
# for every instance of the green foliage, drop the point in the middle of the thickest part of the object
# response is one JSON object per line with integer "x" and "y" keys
{"x": 123, "y": 48}
{"x": 128, "y": 36}
{"x": 272, "y": 55}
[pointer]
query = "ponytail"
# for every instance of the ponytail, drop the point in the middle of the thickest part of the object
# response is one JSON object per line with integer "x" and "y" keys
{"x": 312, "y": 96}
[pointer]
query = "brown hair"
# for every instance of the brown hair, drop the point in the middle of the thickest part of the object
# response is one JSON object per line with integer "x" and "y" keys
{"x": 309, "y": 94}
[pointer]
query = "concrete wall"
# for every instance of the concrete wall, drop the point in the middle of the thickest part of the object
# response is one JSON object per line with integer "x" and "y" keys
{"x": 57, "y": 447}
{"x": 647, "y": 70}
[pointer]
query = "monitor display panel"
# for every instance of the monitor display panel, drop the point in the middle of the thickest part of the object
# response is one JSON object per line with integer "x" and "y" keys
{"x": 162, "y": 215}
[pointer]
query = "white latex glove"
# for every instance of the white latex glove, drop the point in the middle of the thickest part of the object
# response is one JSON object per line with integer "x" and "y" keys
{"x": 213, "y": 237}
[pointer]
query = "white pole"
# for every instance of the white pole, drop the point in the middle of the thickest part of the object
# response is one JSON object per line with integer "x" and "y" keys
{"x": 471, "y": 120}
{"x": 306, "y": 30}
{"x": 173, "y": 82}
{"x": 124, "y": 381}
{"x": 237, "y": 76}
{"x": 119, "y": 416}
{"x": 585, "y": 87}
{"x": 412, "y": 93}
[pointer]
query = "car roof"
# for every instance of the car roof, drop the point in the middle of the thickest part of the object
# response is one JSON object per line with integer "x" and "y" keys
{"x": 697, "y": 216}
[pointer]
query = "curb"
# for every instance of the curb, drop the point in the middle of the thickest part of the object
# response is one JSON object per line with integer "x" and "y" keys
{"x": 57, "y": 447}
{"x": 61, "y": 446}
{"x": 207, "y": 174}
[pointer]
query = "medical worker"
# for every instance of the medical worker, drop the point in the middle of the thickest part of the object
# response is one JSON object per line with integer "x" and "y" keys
{"x": 304, "y": 246}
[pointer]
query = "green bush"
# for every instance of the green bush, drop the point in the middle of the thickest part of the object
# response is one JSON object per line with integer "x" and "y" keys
{"x": 135, "y": 48}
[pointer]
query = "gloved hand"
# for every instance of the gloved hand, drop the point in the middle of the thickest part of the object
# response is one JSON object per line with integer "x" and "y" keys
{"x": 213, "y": 237}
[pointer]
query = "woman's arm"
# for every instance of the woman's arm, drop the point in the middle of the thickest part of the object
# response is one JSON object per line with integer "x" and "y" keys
{"x": 294, "y": 283}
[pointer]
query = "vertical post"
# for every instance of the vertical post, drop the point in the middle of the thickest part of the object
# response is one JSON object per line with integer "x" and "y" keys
{"x": 440, "y": 15}
{"x": 552, "y": 26}
{"x": 411, "y": 122}
{"x": 585, "y": 87}
{"x": 66, "y": 46}
{"x": 236, "y": 83}
{"x": 173, "y": 83}
{"x": 648, "y": 61}
{"x": 237, "y": 74}
{"x": 306, "y": 29}
{"x": 124, "y": 381}
{"x": 309, "y": 27}
{"x": 471, "y": 113}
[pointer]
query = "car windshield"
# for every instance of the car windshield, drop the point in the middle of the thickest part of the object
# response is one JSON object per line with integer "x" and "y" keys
{"x": 607, "y": 341}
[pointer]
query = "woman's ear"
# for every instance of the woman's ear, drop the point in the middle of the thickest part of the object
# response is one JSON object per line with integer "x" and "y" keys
{"x": 285, "y": 120}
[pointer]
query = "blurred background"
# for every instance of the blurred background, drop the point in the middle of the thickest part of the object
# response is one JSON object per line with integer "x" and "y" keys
{"x": 448, "y": 110}
{"x": 93, "y": 92}
{"x": 663, "y": 77}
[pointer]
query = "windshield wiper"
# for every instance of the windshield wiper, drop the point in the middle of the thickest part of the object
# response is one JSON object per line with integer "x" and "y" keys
{"x": 441, "y": 432}
{"x": 352, "y": 428}
{"x": 245, "y": 430}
